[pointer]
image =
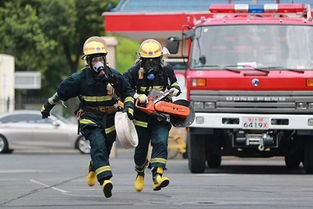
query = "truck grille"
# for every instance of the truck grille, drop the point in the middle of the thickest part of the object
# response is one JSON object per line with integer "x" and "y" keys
{"x": 254, "y": 101}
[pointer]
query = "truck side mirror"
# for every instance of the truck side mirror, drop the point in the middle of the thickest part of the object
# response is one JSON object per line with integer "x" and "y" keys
{"x": 172, "y": 44}
{"x": 189, "y": 34}
{"x": 202, "y": 60}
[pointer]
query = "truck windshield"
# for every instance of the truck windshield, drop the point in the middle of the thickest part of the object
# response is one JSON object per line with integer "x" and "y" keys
{"x": 256, "y": 46}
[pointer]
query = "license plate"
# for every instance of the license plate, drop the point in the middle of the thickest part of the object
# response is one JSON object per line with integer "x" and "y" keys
{"x": 255, "y": 122}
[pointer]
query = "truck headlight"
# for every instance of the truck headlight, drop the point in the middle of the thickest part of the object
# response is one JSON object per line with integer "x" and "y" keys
{"x": 310, "y": 105}
{"x": 301, "y": 105}
{"x": 198, "y": 105}
{"x": 209, "y": 105}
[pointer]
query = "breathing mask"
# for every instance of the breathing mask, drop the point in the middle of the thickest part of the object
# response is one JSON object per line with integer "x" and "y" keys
{"x": 150, "y": 66}
{"x": 98, "y": 67}
{"x": 97, "y": 63}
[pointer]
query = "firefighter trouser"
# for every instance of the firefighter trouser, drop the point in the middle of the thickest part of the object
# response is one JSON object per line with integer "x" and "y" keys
{"x": 101, "y": 145}
{"x": 157, "y": 133}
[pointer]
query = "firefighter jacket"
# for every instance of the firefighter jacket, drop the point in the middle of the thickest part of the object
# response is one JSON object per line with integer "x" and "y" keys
{"x": 164, "y": 78}
{"x": 96, "y": 102}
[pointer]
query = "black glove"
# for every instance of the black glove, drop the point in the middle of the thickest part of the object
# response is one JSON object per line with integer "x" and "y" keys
{"x": 130, "y": 112}
{"x": 45, "y": 110}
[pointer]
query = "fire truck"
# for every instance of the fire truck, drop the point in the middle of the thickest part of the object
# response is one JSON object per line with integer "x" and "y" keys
{"x": 250, "y": 80}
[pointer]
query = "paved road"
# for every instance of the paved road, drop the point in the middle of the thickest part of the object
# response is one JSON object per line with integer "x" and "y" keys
{"x": 57, "y": 181}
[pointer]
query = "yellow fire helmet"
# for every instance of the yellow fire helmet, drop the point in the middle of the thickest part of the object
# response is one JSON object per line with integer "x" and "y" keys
{"x": 150, "y": 48}
{"x": 94, "y": 45}
{"x": 94, "y": 38}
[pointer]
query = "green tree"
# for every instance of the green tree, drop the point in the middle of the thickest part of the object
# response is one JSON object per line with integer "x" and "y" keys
{"x": 47, "y": 35}
{"x": 126, "y": 53}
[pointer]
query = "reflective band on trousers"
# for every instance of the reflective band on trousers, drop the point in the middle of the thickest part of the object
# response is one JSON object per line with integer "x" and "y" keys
{"x": 86, "y": 121}
{"x": 97, "y": 98}
{"x": 131, "y": 111}
{"x": 158, "y": 160}
{"x": 141, "y": 123}
{"x": 129, "y": 99}
{"x": 103, "y": 169}
{"x": 109, "y": 130}
{"x": 175, "y": 84}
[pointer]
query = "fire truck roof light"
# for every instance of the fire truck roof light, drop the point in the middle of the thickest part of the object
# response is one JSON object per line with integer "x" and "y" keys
{"x": 289, "y": 8}
{"x": 256, "y": 8}
{"x": 270, "y": 7}
{"x": 241, "y": 7}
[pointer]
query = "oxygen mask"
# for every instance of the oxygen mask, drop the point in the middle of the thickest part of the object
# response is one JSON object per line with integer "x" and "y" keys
{"x": 97, "y": 63}
{"x": 99, "y": 67}
{"x": 151, "y": 66}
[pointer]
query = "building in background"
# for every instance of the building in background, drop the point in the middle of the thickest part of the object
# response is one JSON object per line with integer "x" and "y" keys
{"x": 111, "y": 44}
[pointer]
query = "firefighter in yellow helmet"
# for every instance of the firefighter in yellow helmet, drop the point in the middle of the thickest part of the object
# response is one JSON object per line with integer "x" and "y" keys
{"x": 151, "y": 72}
{"x": 98, "y": 88}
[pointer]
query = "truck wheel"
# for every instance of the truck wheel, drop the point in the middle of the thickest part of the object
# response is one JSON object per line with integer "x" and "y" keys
{"x": 292, "y": 161}
{"x": 308, "y": 156}
{"x": 294, "y": 155}
{"x": 196, "y": 153}
{"x": 213, "y": 150}
{"x": 214, "y": 160}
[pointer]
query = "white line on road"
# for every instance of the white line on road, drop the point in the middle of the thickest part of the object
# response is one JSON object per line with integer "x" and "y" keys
{"x": 45, "y": 185}
{"x": 18, "y": 171}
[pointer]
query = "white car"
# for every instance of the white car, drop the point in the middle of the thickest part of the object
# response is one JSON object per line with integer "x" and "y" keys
{"x": 25, "y": 129}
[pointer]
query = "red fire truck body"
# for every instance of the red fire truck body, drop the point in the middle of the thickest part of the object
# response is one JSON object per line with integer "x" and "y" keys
{"x": 250, "y": 80}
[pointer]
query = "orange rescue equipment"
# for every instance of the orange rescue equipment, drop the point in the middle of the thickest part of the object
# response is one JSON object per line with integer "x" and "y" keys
{"x": 172, "y": 109}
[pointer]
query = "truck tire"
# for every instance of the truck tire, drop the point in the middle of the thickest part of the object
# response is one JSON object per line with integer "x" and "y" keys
{"x": 308, "y": 156}
{"x": 295, "y": 153}
{"x": 292, "y": 161}
{"x": 213, "y": 150}
{"x": 196, "y": 153}
{"x": 213, "y": 160}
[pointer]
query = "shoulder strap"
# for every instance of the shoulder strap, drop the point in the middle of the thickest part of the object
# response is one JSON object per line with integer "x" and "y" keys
{"x": 113, "y": 80}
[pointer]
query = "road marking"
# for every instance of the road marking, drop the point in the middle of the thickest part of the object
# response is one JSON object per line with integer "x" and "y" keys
{"x": 18, "y": 171}
{"x": 45, "y": 185}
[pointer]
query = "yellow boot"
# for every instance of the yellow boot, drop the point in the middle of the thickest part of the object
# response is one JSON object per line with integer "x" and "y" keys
{"x": 140, "y": 178}
{"x": 107, "y": 187}
{"x": 139, "y": 182}
{"x": 159, "y": 181}
{"x": 91, "y": 177}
